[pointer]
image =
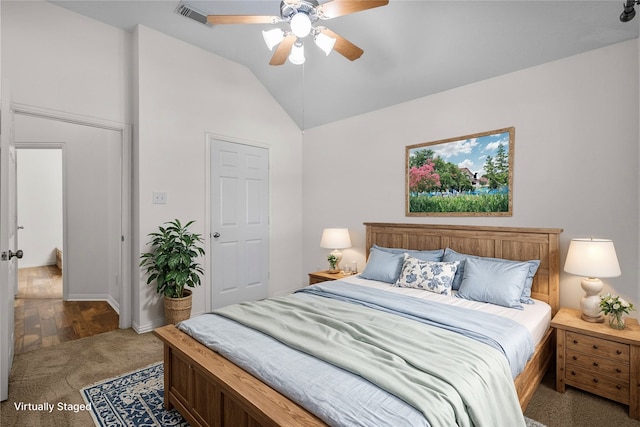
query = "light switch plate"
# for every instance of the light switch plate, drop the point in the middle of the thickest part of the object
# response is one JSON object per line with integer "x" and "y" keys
{"x": 159, "y": 198}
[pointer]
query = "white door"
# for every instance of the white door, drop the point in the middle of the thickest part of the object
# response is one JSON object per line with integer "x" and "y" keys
{"x": 8, "y": 228}
{"x": 239, "y": 250}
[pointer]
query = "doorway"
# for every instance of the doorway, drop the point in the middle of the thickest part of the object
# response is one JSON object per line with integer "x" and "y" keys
{"x": 43, "y": 317}
{"x": 40, "y": 215}
{"x": 96, "y": 158}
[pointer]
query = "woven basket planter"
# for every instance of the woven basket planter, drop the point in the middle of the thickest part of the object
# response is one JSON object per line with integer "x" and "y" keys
{"x": 177, "y": 309}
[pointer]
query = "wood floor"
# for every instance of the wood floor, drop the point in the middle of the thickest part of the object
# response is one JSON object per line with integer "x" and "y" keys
{"x": 43, "y": 319}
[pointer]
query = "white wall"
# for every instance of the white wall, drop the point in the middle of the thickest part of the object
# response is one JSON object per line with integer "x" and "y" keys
{"x": 59, "y": 61}
{"x": 576, "y": 158}
{"x": 181, "y": 93}
{"x": 571, "y": 114}
{"x": 39, "y": 180}
{"x": 63, "y": 61}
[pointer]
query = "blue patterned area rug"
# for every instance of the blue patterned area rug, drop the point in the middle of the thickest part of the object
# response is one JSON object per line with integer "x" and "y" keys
{"x": 133, "y": 399}
{"x": 137, "y": 399}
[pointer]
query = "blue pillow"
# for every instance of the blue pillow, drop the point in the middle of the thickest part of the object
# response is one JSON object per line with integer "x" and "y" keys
{"x": 450, "y": 255}
{"x": 434, "y": 255}
{"x": 492, "y": 282}
{"x": 383, "y": 266}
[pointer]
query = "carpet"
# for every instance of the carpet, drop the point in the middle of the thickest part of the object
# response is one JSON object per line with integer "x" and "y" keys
{"x": 137, "y": 399}
{"x": 132, "y": 399}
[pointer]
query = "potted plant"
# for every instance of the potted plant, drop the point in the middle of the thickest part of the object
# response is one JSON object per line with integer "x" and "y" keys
{"x": 615, "y": 307}
{"x": 333, "y": 261}
{"x": 170, "y": 262}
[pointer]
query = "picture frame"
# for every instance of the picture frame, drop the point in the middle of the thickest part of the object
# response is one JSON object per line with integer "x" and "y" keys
{"x": 470, "y": 175}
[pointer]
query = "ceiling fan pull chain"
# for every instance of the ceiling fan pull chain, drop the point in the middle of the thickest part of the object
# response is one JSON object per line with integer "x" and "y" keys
{"x": 303, "y": 87}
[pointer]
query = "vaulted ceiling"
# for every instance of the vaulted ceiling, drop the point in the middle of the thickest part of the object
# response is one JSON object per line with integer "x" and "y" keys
{"x": 412, "y": 48}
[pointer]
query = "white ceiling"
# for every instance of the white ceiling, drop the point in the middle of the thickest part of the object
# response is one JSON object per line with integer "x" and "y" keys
{"x": 412, "y": 48}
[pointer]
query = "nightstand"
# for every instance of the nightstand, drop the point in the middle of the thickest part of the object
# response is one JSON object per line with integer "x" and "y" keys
{"x": 324, "y": 276}
{"x": 599, "y": 359}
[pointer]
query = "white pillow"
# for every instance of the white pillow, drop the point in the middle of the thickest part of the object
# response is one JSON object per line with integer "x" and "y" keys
{"x": 436, "y": 277}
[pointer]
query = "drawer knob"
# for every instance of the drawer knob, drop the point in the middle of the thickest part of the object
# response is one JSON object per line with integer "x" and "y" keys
{"x": 573, "y": 372}
{"x": 575, "y": 341}
{"x": 595, "y": 364}
{"x": 595, "y": 346}
{"x": 595, "y": 380}
{"x": 618, "y": 352}
{"x": 618, "y": 370}
{"x": 575, "y": 358}
{"x": 618, "y": 387}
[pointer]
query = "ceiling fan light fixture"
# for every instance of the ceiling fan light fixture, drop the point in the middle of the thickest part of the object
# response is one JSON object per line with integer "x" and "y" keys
{"x": 300, "y": 24}
{"x": 273, "y": 37}
{"x": 296, "y": 56}
{"x": 324, "y": 42}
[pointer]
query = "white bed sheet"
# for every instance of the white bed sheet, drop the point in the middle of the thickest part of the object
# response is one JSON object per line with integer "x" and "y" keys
{"x": 535, "y": 317}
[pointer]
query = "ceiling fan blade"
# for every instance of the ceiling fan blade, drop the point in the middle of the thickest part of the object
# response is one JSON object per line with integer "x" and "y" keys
{"x": 335, "y": 8}
{"x": 343, "y": 46}
{"x": 241, "y": 19}
{"x": 282, "y": 51}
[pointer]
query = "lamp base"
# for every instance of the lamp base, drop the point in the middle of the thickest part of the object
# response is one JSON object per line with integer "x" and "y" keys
{"x": 590, "y": 302}
{"x": 599, "y": 319}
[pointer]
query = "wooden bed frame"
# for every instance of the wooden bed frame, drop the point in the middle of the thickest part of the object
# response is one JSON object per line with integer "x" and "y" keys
{"x": 209, "y": 390}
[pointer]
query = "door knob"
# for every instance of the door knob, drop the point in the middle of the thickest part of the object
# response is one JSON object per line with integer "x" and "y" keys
{"x": 6, "y": 256}
{"x": 18, "y": 254}
{"x": 216, "y": 235}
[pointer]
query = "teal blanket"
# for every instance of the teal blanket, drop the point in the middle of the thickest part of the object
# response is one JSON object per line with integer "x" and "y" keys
{"x": 451, "y": 379}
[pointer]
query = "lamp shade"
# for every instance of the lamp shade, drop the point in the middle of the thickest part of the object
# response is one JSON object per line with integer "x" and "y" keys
{"x": 273, "y": 37}
{"x": 335, "y": 238}
{"x": 592, "y": 258}
{"x": 325, "y": 42}
{"x": 297, "y": 53}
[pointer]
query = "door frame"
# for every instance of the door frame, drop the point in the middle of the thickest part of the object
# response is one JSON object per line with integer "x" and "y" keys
{"x": 209, "y": 137}
{"x": 126, "y": 293}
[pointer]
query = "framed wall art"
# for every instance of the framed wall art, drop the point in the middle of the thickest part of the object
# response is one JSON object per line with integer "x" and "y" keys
{"x": 469, "y": 175}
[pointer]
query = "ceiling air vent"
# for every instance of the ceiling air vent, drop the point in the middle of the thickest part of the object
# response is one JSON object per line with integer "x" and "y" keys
{"x": 189, "y": 12}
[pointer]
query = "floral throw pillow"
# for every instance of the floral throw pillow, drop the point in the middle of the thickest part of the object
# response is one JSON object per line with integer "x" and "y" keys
{"x": 436, "y": 277}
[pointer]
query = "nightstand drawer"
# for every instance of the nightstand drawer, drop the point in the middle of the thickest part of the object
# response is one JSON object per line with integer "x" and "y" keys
{"x": 325, "y": 276}
{"x": 598, "y": 365}
{"x": 314, "y": 280}
{"x": 604, "y": 386}
{"x": 598, "y": 347}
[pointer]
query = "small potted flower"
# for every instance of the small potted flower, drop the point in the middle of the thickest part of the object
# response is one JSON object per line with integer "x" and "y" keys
{"x": 615, "y": 307}
{"x": 333, "y": 261}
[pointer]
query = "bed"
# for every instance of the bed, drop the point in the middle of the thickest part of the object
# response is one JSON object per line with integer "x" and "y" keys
{"x": 209, "y": 390}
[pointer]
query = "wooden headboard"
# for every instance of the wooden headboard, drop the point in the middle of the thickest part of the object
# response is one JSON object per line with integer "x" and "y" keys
{"x": 515, "y": 243}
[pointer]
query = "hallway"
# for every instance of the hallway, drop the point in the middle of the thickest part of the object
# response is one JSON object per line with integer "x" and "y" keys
{"x": 43, "y": 319}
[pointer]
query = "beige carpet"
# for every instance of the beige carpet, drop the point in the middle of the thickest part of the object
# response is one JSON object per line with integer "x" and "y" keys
{"x": 56, "y": 374}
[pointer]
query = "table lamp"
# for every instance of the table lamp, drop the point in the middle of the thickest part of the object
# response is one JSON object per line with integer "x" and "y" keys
{"x": 335, "y": 238}
{"x": 593, "y": 258}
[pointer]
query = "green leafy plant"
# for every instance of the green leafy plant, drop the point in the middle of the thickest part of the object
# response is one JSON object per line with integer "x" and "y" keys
{"x": 170, "y": 262}
{"x": 332, "y": 261}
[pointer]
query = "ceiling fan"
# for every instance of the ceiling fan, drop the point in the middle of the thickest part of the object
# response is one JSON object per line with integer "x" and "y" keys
{"x": 302, "y": 15}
